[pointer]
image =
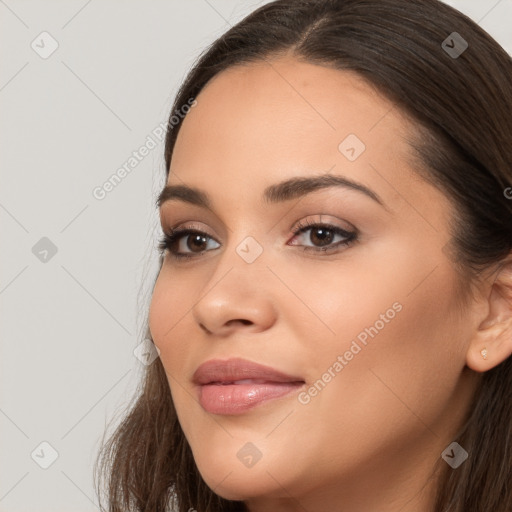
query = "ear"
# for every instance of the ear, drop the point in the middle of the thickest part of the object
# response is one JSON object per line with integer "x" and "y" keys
{"x": 492, "y": 342}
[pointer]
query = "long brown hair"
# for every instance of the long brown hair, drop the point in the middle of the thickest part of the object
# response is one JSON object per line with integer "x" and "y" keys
{"x": 462, "y": 106}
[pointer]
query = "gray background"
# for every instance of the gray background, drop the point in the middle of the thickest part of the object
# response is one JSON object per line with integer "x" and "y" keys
{"x": 71, "y": 320}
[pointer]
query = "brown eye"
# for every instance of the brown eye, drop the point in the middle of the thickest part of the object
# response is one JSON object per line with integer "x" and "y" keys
{"x": 196, "y": 242}
{"x": 186, "y": 243}
{"x": 321, "y": 236}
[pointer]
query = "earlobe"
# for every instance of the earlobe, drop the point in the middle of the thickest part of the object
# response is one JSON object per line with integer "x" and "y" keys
{"x": 490, "y": 346}
{"x": 492, "y": 342}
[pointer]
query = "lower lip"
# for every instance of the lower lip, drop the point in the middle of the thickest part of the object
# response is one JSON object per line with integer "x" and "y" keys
{"x": 238, "y": 398}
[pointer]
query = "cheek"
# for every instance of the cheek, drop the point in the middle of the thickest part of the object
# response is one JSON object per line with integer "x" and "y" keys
{"x": 394, "y": 321}
{"x": 159, "y": 310}
{"x": 394, "y": 389}
{"x": 168, "y": 310}
{"x": 337, "y": 301}
{"x": 168, "y": 314}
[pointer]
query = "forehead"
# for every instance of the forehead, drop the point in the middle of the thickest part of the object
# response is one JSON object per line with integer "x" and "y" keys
{"x": 284, "y": 115}
{"x": 264, "y": 122}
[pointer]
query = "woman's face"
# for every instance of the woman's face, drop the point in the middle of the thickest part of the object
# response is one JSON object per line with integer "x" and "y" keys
{"x": 368, "y": 333}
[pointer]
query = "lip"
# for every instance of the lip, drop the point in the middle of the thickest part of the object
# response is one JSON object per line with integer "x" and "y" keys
{"x": 235, "y": 386}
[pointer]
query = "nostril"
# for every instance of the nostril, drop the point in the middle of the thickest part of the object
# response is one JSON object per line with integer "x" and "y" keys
{"x": 241, "y": 320}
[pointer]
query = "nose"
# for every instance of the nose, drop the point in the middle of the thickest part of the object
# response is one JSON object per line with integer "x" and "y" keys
{"x": 236, "y": 298}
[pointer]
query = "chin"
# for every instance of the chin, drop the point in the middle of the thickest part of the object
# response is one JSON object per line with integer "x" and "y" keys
{"x": 241, "y": 486}
{"x": 232, "y": 480}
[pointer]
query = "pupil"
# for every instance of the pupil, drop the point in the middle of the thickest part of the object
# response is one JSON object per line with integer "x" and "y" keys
{"x": 196, "y": 239}
{"x": 323, "y": 236}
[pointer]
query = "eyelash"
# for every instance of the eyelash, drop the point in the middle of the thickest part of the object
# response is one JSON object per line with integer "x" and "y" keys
{"x": 174, "y": 235}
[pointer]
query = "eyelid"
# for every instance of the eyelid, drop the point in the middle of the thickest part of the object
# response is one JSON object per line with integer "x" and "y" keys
{"x": 190, "y": 225}
{"x": 322, "y": 219}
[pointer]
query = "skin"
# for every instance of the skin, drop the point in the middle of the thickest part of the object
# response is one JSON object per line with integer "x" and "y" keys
{"x": 382, "y": 422}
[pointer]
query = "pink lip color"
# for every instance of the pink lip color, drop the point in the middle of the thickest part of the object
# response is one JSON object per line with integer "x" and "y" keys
{"x": 220, "y": 393}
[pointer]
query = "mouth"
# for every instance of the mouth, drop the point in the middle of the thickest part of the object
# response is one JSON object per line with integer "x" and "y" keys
{"x": 235, "y": 386}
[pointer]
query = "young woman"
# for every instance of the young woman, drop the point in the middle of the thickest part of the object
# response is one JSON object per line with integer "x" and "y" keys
{"x": 333, "y": 311}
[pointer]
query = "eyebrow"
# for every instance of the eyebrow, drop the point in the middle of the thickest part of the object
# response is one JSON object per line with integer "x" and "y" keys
{"x": 284, "y": 191}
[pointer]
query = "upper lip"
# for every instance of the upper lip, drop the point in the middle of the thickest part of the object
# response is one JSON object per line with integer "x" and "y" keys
{"x": 231, "y": 370}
